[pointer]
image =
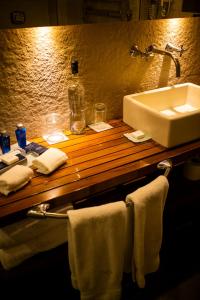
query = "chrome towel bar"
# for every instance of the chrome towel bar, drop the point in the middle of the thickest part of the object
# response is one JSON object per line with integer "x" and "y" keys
{"x": 40, "y": 211}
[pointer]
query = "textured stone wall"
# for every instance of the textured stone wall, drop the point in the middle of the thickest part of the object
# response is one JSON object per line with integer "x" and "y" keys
{"x": 35, "y": 72}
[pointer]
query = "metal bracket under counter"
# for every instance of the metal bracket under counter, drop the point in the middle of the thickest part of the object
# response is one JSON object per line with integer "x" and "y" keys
{"x": 40, "y": 211}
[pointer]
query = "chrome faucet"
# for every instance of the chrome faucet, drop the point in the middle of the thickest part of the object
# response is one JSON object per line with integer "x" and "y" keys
{"x": 171, "y": 48}
{"x": 153, "y": 49}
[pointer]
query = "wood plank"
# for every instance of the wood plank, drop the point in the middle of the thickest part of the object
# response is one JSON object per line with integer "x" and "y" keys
{"x": 76, "y": 190}
{"x": 78, "y": 150}
{"x": 79, "y": 174}
{"x": 87, "y": 161}
{"x": 97, "y": 161}
{"x": 99, "y": 182}
{"x": 72, "y": 153}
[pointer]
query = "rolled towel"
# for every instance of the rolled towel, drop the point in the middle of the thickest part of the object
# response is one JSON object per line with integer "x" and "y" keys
{"x": 49, "y": 160}
{"x": 15, "y": 178}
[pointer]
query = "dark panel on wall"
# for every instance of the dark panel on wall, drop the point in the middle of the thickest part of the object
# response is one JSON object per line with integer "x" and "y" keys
{"x": 191, "y": 6}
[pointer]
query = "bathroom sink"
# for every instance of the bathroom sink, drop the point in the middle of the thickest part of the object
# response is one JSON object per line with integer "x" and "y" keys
{"x": 170, "y": 115}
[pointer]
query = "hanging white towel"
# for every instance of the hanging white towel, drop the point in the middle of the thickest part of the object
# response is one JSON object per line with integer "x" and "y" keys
{"x": 96, "y": 240}
{"x": 148, "y": 205}
{"x": 15, "y": 178}
{"x": 50, "y": 160}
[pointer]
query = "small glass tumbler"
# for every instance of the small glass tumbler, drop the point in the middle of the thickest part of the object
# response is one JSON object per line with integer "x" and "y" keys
{"x": 99, "y": 113}
{"x": 54, "y": 128}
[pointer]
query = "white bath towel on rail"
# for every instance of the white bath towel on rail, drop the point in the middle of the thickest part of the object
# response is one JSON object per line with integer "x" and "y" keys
{"x": 96, "y": 240}
{"x": 148, "y": 205}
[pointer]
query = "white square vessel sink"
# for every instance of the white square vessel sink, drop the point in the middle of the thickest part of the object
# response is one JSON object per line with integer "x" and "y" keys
{"x": 170, "y": 115}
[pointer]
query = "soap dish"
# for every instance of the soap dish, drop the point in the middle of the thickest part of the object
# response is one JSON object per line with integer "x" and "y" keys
{"x": 137, "y": 136}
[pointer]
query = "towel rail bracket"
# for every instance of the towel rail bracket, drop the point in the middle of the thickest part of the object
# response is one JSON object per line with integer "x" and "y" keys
{"x": 40, "y": 211}
{"x": 165, "y": 165}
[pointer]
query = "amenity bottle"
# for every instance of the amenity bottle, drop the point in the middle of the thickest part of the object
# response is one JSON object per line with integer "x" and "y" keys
{"x": 20, "y": 133}
{"x": 4, "y": 141}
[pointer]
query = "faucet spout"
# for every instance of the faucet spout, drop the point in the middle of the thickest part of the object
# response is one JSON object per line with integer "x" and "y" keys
{"x": 154, "y": 49}
{"x": 178, "y": 67}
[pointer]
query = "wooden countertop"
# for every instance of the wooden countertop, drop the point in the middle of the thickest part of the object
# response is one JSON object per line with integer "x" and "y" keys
{"x": 97, "y": 162}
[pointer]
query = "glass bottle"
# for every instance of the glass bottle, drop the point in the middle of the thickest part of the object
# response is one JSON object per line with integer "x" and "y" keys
{"x": 76, "y": 102}
{"x": 4, "y": 141}
{"x": 20, "y": 133}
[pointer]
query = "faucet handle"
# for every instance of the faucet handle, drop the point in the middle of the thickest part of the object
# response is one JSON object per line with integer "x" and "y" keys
{"x": 182, "y": 50}
{"x": 135, "y": 51}
{"x": 149, "y": 50}
{"x": 171, "y": 48}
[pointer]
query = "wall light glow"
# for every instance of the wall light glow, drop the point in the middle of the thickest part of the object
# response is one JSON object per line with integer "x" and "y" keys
{"x": 43, "y": 39}
{"x": 43, "y": 33}
{"x": 44, "y": 59}
{"x": 175, "y": 25}
{"x": 171, "y": 28}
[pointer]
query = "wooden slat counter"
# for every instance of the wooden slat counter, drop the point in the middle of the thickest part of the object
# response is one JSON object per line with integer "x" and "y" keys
{"x": 97, "y": 162}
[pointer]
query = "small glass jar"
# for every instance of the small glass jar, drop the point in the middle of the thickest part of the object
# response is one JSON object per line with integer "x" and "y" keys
{"x": 54, "y": 128}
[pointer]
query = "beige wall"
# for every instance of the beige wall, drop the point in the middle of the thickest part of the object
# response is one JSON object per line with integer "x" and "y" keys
{"x": 35, "y": 73}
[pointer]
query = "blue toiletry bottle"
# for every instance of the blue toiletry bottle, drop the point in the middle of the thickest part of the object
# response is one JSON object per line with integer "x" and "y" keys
{"x": 20, "y": 133}
{"x": 4, "y": 141}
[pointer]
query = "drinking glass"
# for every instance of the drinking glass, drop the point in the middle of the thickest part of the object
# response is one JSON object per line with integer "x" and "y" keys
{"x": 99, "y": 112}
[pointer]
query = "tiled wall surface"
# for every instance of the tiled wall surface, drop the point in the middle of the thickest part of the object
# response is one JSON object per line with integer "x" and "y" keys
{"x": 35, "y": 66}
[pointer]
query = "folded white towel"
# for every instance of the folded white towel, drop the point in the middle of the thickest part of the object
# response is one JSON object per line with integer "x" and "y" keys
{"x": 148, "y": 205}
{"x": 23, "y": 239}
{"x": 97, "y": 241}
{"x": 15, "y": 178}
{"x": 50, "y": 160}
